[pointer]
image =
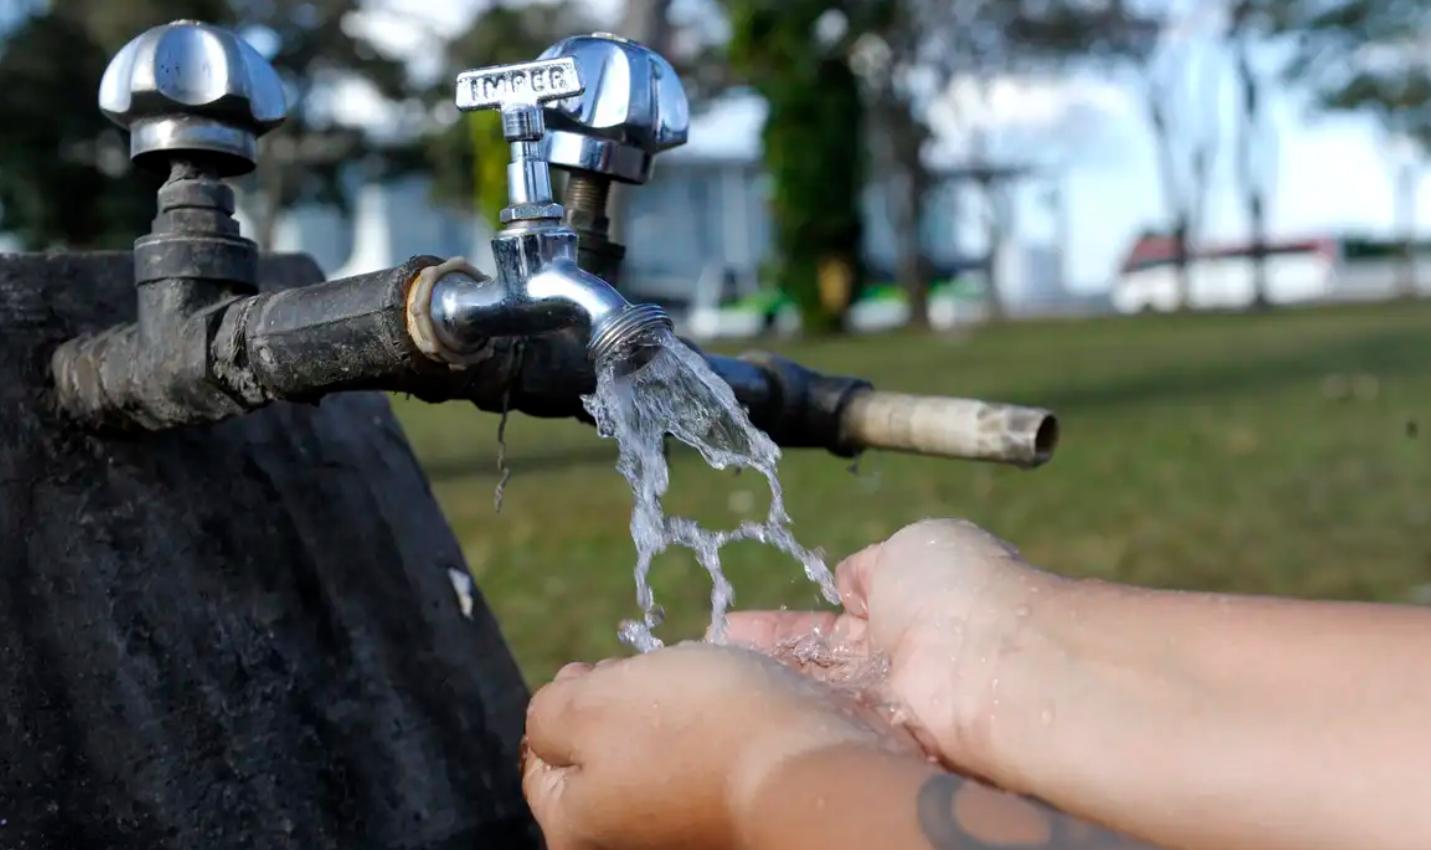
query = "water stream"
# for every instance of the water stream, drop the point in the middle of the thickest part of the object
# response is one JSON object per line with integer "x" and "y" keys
{"x": 676, "y": 393}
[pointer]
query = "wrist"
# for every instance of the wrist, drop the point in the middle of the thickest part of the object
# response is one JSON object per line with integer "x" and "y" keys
{"x": 998, "y": 667}
{"x": 1063, "y": 681}
{"x": 807, "y": 800}
{"x": 769, "y": 752}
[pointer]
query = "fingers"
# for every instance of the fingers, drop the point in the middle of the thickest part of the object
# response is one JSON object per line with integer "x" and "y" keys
{"x": 541, "y": 785}
{"x": 552, "y": 718}
{"x": 562, "y": 712}
{"x": 572, "y": 670}
{"x": 767, "y": 630}
{"x": 550, "y": 794}
{"x": 852, "y": 579}
{"x": 941, "y": 542}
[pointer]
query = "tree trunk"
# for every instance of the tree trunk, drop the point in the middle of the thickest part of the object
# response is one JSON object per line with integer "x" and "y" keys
{"x": 908, "y": 184}
{"x": 1173, "y": 198}
{"x": 646, "y": 21}
{"x": 897, "y": 141}
{"x": 270, "y": 194}
{"x": 1261, "y": 285}
{"x": 1406, "y": 185}
{"x": 997, "y": 230}
{"x": 1252, "y": 185}
{"x": 1182, "y": 263}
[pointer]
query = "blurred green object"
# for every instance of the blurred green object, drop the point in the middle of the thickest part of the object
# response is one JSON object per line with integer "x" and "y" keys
{"x": 56, "y": 147}
{"x": 490, "y": 153}
{"x": 766, "y": 301}
{"x": 959, "y": 288}
{"x": 1280, "y": 453}
{"x": 812, "y": 149}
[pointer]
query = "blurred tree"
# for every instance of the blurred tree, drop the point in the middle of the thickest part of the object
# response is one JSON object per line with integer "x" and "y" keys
{"x": 1372, "y": 56}
{"x": 1180, "y": 93}
{"x": 469, "y": 158}
{"x": 886, "y": 56}
{"x": 812, "y": 140}
{"x": 1249, "y": 22}
{"x": 58, "y": 148}
{"x": 317, "y": 46}
{"x": 914, "y": 50}
{"x": 65, "y": 176}
{"x": 53, "y": 153}
{"x": 649, "y": 22}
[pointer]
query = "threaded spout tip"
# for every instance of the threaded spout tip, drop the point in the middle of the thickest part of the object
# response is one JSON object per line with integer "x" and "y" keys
{"x": 632, "y": 328}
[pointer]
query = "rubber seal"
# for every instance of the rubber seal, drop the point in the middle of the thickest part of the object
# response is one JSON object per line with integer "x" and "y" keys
{"x": 419, "y": 313}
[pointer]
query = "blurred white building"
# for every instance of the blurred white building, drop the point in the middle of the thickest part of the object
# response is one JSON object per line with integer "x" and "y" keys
{"x": 1323, "y": 269}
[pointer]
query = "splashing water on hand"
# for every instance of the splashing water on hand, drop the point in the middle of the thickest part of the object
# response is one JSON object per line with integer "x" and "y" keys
{"x": 674, "y": 392}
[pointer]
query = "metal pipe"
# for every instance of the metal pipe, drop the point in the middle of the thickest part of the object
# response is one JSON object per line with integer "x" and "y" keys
{"x": 799, "y": 407}
{"x": 961, "y": 428}
{"x": 337, "y": 335}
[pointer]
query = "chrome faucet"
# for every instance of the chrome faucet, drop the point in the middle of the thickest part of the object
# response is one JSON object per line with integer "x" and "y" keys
{"x": 539, "y": 286}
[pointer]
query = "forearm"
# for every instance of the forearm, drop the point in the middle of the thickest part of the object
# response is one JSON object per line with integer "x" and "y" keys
{"x": 1207, "y": 721}
{"x": 855, "y": 798}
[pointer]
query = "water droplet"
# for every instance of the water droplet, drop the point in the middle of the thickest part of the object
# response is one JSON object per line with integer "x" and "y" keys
{"x": 1022, "y": 611}
{"x": 1046, "y": 716}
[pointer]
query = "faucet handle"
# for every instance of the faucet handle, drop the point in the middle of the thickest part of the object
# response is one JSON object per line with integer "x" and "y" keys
{"x": 187, "y": 88}
{"x": 634, "y": 108}
{"x": 519, "y": 91}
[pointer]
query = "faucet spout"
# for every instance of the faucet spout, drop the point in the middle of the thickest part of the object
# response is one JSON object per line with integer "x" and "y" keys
{"x": 556, "y": 295}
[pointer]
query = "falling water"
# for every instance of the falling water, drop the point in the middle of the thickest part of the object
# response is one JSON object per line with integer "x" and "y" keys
{"x": 676, "y": 393}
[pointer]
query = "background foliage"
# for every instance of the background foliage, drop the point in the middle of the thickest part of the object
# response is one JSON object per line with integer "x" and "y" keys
{"x": 813, "y": 148}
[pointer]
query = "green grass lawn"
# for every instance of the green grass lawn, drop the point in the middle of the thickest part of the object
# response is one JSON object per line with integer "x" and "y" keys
{"x": 1283, "y": 453}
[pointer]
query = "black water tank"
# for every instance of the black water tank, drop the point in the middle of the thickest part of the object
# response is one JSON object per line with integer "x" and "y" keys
{"x": 240, "y": 635}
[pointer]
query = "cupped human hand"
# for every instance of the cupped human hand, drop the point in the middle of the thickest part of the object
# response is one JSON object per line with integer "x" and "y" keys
{"x": 942, "y": 603}
{"x": 667, "y": 749}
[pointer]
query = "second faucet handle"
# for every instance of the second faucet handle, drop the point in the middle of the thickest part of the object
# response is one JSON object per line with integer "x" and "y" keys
{"x": 519, "y": 91}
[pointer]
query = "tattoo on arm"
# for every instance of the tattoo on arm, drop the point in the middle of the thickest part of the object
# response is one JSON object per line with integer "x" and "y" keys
{"x": 939, "y": 820}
